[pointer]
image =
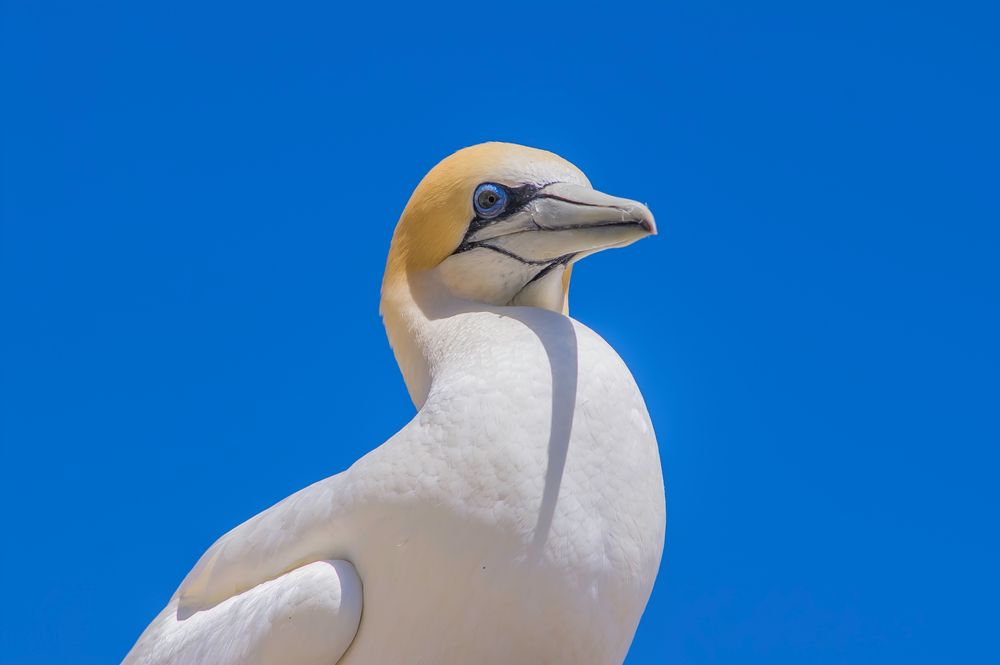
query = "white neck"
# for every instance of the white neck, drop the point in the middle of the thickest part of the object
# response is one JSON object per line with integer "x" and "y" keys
{"x": 418, "y": 312}
{"x": 409, "y": 308}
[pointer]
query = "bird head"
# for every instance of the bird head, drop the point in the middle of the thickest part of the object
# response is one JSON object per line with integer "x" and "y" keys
{"x": 503, "y": 224}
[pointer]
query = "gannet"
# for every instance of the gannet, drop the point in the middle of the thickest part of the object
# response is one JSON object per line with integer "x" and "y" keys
{"x": 519, "y": 517}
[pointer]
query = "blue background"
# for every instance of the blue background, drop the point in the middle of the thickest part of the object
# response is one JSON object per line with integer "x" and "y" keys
{"x": 196, "y": 205}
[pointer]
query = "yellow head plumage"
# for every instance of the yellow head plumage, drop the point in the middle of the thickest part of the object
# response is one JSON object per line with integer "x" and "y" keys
{"x": 521, "y": 253}
{"x": 495, "y": 224}
{"x": 437, "y": 216}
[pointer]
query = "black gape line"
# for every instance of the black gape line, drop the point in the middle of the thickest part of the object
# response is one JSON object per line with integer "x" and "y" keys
{"x": 561, "y": 261}
{"x": 506, "y": 252}
{"x": 549, "y": 267}
{"x": 552, "y": 265}
{"x": 517, "y": 199}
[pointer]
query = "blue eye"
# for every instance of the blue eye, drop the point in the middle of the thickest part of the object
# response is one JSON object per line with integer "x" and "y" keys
{"x": 489, "y": 200}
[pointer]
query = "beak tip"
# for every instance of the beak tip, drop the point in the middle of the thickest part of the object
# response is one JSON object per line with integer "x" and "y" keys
{"x": 647, "y": 221}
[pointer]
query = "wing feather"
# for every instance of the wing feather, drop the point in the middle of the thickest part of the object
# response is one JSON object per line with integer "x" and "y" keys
{"x": 305, "y": 617}
{"x": 301, "y": 529}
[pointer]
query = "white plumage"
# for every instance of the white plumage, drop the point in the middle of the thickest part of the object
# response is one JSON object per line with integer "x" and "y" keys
{"x": 518, "y": 518}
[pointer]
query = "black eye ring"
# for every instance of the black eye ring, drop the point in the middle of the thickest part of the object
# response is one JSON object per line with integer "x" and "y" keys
{"x": 489, "y": 199}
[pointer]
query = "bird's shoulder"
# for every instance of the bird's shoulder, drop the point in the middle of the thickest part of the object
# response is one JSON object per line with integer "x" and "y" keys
{"x": 305, "y": 527}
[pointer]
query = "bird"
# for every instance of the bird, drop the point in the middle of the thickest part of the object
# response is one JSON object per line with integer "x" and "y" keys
{"x": 519, "y": 517}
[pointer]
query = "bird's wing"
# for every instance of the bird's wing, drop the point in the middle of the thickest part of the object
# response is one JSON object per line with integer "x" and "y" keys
{"x": 302, "y": 529}
{"x": 304, "y": 617}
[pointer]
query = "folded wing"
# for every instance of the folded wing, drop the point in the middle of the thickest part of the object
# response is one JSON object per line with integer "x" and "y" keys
{"x": 307, "y": 616}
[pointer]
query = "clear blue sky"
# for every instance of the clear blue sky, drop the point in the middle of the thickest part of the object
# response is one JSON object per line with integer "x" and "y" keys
{"x": 197, "y": 200}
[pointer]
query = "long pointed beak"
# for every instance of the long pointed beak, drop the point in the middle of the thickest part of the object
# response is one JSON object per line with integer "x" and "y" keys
{"x": 582, "y": 206}
{"x": 566, "y": 221}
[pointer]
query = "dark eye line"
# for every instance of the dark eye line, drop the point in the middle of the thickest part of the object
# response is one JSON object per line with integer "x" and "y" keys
{"x": 517, "y": 198}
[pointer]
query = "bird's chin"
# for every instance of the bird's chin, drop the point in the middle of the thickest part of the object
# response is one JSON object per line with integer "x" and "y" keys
{"x": 541, "y": 247}
{"x": 527, "y": 267}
